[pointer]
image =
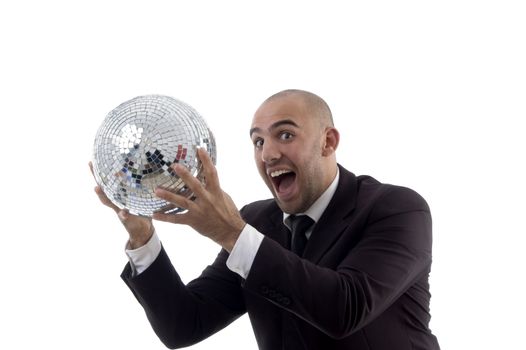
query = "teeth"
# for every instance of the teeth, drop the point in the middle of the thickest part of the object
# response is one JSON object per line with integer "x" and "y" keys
{"x": 279, "y": 172}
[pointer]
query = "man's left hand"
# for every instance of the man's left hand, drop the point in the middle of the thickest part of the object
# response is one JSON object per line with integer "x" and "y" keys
{"x": 212, "y": 213}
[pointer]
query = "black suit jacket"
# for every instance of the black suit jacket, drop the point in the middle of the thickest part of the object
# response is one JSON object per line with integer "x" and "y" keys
{"x": 362, "y": 282}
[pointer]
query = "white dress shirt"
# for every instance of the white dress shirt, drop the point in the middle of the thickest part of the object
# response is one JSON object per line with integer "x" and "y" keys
{"x": 142, "y": 257}
{"x": 246, "y": 247}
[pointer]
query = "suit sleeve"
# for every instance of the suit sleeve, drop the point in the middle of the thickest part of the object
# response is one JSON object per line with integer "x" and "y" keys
{"x": 184, "y": 315}
{"x": 393, "y": 252}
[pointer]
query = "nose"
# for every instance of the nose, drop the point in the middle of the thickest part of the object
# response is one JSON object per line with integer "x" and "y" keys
{"x": 270, "y": 152}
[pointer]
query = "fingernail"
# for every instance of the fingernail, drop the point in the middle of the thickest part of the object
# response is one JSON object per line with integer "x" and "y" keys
{"x": 178, "y": 168}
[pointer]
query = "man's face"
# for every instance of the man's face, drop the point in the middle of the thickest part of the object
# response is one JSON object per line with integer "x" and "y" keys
{"x": 288, "y": 150}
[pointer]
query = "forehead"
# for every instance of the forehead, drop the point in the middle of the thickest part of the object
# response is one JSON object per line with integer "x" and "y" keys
{"x": 282, "y": 108}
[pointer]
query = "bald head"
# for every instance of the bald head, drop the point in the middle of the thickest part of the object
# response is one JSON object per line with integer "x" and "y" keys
{"x": 293, "y": 133}
{"x": 313, "y": 103}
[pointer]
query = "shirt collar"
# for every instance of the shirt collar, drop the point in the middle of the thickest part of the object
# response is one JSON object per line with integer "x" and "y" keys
{"x": 318, "y": 207}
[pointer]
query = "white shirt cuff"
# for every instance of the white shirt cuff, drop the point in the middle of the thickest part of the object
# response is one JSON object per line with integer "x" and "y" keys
{"x": 244, "y": 251}
{"x": 142, "y": 257}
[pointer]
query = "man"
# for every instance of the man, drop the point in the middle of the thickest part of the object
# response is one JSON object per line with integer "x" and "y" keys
{"x": 355, "y": 277}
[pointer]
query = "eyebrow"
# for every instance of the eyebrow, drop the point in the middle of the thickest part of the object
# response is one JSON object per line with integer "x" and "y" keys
{"x": 275, "y": 125}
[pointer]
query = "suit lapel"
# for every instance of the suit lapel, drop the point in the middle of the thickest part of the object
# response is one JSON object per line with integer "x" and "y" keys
{"x": 282, "y": 233}
{"x": 332, "y": 222}
{"x": 275, "y": 229}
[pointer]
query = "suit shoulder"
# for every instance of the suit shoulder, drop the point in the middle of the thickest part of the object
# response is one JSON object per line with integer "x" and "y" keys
{"x": 390, "y": 196}
{"x": 259, "y": 208}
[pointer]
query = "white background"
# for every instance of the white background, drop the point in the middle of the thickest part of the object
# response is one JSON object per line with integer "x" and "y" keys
{"x": 425, "y": 94}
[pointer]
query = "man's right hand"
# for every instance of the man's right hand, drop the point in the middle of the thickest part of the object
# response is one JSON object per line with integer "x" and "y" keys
{"x": 140, "y": 229}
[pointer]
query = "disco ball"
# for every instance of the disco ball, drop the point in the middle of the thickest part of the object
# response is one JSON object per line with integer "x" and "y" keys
{"x": 136, "y": 146}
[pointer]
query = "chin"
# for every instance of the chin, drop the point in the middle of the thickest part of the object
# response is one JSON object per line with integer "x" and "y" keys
{"x": 288, "y": 208}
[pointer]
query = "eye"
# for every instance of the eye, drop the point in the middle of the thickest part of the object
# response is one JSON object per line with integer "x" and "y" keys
{"x": 285, "y": 135}
{"x": 258, "y": 143}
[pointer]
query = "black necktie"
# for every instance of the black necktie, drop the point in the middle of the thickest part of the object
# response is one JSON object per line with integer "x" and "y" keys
{"x": 299, "y": 225}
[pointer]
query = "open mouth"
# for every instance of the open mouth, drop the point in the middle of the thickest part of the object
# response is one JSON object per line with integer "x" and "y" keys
{"x": 283, "y": 180}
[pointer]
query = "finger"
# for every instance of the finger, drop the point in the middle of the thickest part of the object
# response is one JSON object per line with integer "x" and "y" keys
{"x": 189, "y": 180}
{"x": 175, "y": 199}
{"x": 124, "y": 216}
{"x": 104, "y": 199}
{"x": 209, "y": 169}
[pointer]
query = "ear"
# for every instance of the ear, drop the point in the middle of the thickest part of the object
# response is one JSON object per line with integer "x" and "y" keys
{"x": 332, "y": 139}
